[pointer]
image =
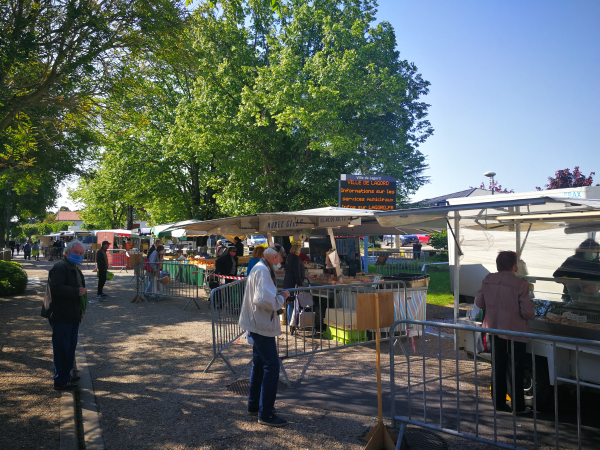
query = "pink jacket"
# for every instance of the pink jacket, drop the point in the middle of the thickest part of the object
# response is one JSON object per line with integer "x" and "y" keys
{"x": 505, "y": 299}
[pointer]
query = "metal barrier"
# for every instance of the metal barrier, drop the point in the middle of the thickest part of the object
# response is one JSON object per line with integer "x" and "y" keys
{"x": 453, "y": 409}
{"x": 330, "y": 324}
{"x": 169, "y": 279}
{"x": 401, "y": 262}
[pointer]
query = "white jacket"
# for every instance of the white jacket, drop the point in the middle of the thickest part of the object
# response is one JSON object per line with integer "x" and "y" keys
{"x": 261, "y": 302}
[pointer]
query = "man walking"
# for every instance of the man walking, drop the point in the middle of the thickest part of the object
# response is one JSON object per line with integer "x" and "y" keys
{"x": 11, "y": 245}
{"x": 27, "y": 251}
{"x": 64, "y": 312}
{"x": 259, "y": 318}
{"x": 102, "y": 264}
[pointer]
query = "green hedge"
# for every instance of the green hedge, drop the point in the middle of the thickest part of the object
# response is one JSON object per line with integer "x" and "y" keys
{"x": 13, "y": 279}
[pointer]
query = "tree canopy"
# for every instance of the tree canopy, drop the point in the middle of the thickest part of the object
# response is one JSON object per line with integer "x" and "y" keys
{"x": 243, "y": 110}
{"x": 566, "y": 179}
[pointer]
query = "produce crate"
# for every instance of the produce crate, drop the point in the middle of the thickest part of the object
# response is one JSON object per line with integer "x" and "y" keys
{"x": 345, "y": 336}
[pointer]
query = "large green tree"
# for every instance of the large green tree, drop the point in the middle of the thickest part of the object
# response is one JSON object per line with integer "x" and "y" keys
{"x": 57, "y": 65}
{"x": 244, "y": 111}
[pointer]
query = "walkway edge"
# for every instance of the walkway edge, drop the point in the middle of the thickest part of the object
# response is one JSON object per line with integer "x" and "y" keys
{"x": 68, "y": 434}
{"x": 89, "y": 410}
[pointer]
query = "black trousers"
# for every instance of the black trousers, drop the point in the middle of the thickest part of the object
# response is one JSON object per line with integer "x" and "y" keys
{"x": 501, "y": 363}
{"x": 101, "y": 280}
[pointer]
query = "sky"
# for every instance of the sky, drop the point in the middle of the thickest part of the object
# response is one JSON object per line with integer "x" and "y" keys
{"x": 515, "y": 88}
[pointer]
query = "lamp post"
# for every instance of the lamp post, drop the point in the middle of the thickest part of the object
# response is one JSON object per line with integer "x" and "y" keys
{"x": 491, "y": 175}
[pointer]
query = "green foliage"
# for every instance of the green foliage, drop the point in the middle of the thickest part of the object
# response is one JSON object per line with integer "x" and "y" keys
{"x": 13, "y": 279}
{"x": 439, "y": 291}
{"x": 439, "y": 241}
{"x": 242, "y": 111}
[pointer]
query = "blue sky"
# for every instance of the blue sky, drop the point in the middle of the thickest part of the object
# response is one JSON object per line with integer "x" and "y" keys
{"x": 515, "y": 87}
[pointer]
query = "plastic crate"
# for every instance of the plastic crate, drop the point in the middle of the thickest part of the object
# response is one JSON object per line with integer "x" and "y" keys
{"x": 345, "y": 336}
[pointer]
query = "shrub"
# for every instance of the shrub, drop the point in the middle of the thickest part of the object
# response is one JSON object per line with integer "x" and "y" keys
{"x": 439, "y": 240}
{"x": 13, "y": 279}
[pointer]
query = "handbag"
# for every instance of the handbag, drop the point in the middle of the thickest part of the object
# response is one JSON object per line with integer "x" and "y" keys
{"x": 47, "y": 301}
{"x": 147, "y": 266}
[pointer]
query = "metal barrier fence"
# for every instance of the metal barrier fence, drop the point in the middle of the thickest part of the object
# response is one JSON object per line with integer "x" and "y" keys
{"x": 169, "y": 279}
{"x": 454, "y": 400}
{"x": 401, "y": 262}
{"x": 329, "y": 324}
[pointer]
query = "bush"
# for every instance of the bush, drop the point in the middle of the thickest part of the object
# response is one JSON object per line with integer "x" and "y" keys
{"x": 439, "y": 240}
{"x": 13, "y": 279}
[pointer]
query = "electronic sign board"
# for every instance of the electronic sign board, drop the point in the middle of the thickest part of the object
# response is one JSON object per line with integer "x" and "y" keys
{"x": 367, "y": 192}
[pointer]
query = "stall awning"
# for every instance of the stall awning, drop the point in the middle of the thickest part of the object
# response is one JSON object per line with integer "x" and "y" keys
{"x": 345, "y": 221}
{"x": 542, "y": 212}
{"x": 118, "y": 232}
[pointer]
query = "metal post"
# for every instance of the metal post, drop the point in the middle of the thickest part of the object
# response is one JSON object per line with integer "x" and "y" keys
{"x": 7, "y": 215}
{"x": 456, "y": 267}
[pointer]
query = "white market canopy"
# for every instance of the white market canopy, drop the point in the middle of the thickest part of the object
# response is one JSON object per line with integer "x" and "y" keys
{"x": 575, "y": 208}
{"x": 117, "y": 232}
{"x": 343, "y": 222}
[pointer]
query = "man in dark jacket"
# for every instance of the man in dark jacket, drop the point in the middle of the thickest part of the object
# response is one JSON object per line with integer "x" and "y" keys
{"x": 102, "y": 264}
{"x": 239, "y": 246}
{"x": 64, "y": 312}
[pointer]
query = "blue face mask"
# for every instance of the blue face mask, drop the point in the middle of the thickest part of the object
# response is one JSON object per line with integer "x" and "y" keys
{"x": 75, "y": 259}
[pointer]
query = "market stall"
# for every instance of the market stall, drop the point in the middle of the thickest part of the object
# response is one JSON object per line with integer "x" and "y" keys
{"x": 555, "y": 235}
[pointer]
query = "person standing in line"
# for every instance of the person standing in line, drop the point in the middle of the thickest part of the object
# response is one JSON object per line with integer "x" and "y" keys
{"x": 35, "y": 252}
{"x": 154, "y": 274}
{"x": 64, "y": 313}
{"x": 256, "y": 256}
{"x": 239, "y": 246}
{"x": 27, "y": 251}
{"x": 258, "y": 317}
{"x": 505, "y": 300}
{"x": 102, "y": 264}
{"x": 154, "y": 246}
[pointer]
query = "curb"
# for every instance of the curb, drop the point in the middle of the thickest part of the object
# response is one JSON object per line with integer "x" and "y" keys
{"x": 68, "y": 433}
{"x": 89, "y": 410}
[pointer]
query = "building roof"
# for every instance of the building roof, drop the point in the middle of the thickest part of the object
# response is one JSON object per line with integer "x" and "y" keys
{"x": 442, "y": 200}
{"x": 67, "y": 216}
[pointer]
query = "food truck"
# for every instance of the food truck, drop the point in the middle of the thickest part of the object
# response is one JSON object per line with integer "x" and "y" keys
{"x": 549, "y": 230}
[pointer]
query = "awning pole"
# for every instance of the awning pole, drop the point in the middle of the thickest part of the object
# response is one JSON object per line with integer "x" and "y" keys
{"x": 338, "y": 270}
{"x": 270, "y": 239}
{"x": 457, "y": 254}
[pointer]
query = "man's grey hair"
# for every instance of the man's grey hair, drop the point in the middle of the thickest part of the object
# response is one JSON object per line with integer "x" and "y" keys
{"x": 270, "y": 251}
{"x": 72, "y": 244}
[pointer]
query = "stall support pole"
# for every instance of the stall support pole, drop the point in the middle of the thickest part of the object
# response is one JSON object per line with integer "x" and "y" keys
{"x": 338, "y": 270}
{"x": 270, "y": 239}
{"x": 456, "y": 272}
{"x": 518, "y": 237}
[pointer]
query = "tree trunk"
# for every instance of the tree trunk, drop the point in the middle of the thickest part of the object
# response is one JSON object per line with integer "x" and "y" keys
{"x": 129, "y": 217}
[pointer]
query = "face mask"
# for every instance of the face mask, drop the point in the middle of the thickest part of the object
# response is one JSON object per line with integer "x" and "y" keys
{"x": 75, "y": 259}
{"x": 277, "y": 266}
{"x": 589, "y": 256}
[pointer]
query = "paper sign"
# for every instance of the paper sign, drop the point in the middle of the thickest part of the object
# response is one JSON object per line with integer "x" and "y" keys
{"x": 365, "y": 311}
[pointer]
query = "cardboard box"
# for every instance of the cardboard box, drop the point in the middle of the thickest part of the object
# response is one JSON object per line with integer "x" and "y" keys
{"x": 135, "y": 259}
{"x": 96, "y": 246}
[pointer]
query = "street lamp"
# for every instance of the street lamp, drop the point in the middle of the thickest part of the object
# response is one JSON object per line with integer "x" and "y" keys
{"x": 491, "y": 175}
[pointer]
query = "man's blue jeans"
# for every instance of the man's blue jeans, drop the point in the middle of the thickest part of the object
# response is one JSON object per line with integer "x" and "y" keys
{"x": 264, "y": 376}
{"x": 64, "y": 343}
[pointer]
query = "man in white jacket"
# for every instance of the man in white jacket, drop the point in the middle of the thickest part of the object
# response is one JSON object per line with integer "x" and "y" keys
{"x": 259, "y": 318}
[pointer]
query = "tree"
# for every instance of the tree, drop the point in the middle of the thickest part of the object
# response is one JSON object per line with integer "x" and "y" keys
{"x": 57, "y": 59}
{"x": 566, "y": 179}
{"x": 497, "y": 188}
{"x": 439, "y": 240}
{"x": 243, "y": 111}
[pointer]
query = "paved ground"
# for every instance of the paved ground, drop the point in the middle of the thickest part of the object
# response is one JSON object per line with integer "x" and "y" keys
{"x": 146, "y": 362}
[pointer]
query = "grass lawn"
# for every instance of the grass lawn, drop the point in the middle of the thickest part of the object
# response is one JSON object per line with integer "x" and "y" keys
{"x": 439, "y": 291}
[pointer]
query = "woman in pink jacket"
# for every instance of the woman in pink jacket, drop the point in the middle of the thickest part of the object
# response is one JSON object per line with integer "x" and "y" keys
{"x": 505, "y": 299}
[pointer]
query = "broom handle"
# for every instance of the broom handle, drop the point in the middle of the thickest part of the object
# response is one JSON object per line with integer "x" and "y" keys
{"x": 379, "y": 406}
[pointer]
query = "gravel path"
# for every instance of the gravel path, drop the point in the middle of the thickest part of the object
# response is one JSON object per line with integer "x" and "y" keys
{"x": 146, "y": 361}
